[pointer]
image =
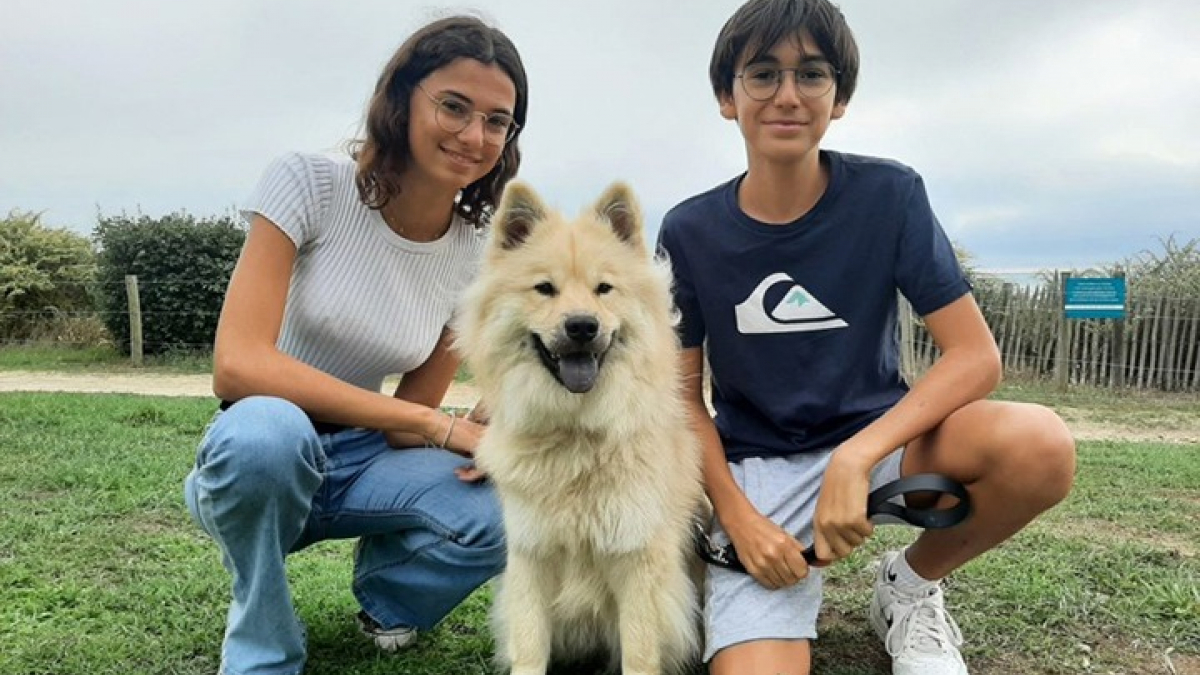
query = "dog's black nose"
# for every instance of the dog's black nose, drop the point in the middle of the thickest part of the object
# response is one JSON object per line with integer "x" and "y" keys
{"x": 582, "y": 328}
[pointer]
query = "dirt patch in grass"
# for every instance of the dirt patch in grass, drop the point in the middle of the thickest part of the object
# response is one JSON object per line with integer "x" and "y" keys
{"x": 1100, "y": 531}
{"x": 1142, "y": 422}
{"x": 1184, "y": 497}
{"x": 847, "y": 639}
{"x": 1138, "y": 658}
{"x": 461, "y": 395}
{"x": 1104, "y": 656}
{"x": 156, "y": 523}
{"x": 1094, "y": 430}
{"x": 1182, "y": 665}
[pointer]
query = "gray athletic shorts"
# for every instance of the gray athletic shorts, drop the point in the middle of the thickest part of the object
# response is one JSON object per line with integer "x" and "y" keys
{"x": 738, "y": 609}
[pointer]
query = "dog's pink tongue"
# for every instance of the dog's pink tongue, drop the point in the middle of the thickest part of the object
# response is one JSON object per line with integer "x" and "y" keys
{"x": 578, "y": 372}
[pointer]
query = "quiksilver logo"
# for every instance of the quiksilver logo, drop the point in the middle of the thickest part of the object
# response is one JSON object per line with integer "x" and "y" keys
{"x": 798, "y": 311}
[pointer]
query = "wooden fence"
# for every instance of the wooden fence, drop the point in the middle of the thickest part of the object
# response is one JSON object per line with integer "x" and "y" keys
{"x": 1157, "y": 345}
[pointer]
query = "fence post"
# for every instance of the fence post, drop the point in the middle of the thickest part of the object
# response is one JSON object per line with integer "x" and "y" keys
{"x": 1062, "y": 353}
{"x": 1118, "y": 353}
{"x": 908, "y": 353}
{"x": 135, "y": 319}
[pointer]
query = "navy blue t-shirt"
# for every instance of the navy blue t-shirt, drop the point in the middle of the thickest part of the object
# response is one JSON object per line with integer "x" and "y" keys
{"x": 799, "y": 320}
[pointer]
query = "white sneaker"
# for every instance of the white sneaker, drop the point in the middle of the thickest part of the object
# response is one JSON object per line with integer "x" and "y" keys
{"x": 920, "y": 636}
{"x": 391, "y": 640}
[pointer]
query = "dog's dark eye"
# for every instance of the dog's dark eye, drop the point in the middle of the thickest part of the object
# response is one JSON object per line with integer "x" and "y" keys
{"x": 546, "y": 288}
{"x": 603, "y": 288}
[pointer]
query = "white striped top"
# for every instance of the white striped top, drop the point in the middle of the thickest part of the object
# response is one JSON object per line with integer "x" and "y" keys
{"x": 364, "y": 302}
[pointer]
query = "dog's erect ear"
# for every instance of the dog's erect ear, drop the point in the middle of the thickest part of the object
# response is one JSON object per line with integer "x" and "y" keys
{"x": 619, "y": 207}
{"x": 520, "y": 210}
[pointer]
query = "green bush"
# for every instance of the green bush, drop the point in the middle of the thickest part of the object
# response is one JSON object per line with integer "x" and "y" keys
{"x": 45, "y": 276}
{"x": 1175, "y": 272}
{"x": 182, "y": 264}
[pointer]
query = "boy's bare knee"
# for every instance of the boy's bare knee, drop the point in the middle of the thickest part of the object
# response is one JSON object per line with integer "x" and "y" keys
{"x": 1046, "y": 455}
{"x": 1058, "y": 447}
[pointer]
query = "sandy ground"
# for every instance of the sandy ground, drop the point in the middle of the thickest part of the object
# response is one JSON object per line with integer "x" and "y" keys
{"x": 1084, "y": 427}
{"x": 153, "y": 384}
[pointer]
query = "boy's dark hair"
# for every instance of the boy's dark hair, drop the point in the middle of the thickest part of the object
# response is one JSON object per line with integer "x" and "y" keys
{"x": 383, "y": 154}
{"x": 757, "y": 26}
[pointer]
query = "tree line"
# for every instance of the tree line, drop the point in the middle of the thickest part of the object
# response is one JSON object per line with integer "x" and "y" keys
{"x": 63, "y": 287}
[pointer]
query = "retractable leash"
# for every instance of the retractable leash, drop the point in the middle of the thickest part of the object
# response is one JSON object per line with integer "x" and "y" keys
{"x": 878, "y": 504}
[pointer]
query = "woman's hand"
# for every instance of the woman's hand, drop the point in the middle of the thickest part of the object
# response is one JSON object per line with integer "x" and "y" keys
{"x": 439, "y": 430}
{"x": 480, "y": 414}
{"x": 461, "y": 435}
{"x": 469, "y": 473}
{"x": 457, "y": 434}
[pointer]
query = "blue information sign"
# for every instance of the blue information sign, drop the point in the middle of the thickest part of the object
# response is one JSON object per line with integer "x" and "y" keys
{"x": 1094, "y": 298}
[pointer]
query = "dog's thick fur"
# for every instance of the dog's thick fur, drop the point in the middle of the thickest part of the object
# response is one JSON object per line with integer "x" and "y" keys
{"x": 569, "y": 334}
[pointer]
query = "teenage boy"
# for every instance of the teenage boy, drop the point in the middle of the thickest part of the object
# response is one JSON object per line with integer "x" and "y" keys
{"x": 787, "y": 276}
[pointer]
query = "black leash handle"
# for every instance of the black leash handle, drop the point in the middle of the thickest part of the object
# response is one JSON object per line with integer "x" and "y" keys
{"x": 877, "y": 504}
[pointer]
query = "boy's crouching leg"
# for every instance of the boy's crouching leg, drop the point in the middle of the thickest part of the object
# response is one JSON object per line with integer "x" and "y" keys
{"x": 1017, "y": 461}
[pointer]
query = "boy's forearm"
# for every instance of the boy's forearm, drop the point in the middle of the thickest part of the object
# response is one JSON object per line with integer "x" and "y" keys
{"x": 957, "y": 378}
{"x": 722, "y": 490}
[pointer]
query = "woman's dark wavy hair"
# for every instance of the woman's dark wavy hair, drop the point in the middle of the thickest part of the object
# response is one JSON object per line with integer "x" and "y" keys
{"x": 757, "y": 26}
{"x": 383, "y": 154}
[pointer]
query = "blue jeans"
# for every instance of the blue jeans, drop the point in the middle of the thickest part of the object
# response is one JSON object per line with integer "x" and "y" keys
{"x": 266, "y": 485}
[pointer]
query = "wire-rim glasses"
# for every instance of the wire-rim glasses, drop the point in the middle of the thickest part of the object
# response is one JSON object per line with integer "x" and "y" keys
{"x": 453, "y": 115}
{"x": 762, "y": 81}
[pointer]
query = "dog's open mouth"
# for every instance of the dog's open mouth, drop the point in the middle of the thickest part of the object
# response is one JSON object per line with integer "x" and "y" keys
{"x": 575, "y": 369}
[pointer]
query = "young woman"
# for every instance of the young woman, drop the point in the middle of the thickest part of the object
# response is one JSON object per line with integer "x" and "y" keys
{"x": 350, "y": 272}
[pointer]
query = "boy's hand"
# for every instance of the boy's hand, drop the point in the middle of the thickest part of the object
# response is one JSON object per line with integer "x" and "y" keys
{"x": 840, "y": 523}
{"x": 772, "y": 556}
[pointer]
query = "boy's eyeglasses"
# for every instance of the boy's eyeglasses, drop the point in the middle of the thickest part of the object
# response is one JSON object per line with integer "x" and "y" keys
{"x": 453, "y": 115}
{"x": 762, "y": 82}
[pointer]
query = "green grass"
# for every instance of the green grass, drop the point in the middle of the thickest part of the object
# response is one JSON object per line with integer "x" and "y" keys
{"x": 102, "y": 571}
{"x": 99, "y": 360}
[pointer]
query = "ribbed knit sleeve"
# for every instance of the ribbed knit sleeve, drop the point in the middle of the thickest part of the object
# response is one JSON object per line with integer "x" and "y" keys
{"x": 293, "y": 193}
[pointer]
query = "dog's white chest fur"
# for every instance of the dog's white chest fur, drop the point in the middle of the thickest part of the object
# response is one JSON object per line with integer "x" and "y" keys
{"x": 573, "y": 498}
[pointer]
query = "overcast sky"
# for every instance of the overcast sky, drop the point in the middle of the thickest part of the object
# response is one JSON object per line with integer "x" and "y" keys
{"x": 1051, "y": 133}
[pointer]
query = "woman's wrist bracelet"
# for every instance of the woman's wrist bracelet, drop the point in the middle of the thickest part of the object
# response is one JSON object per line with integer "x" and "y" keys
{"x": 449, "y": 430}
